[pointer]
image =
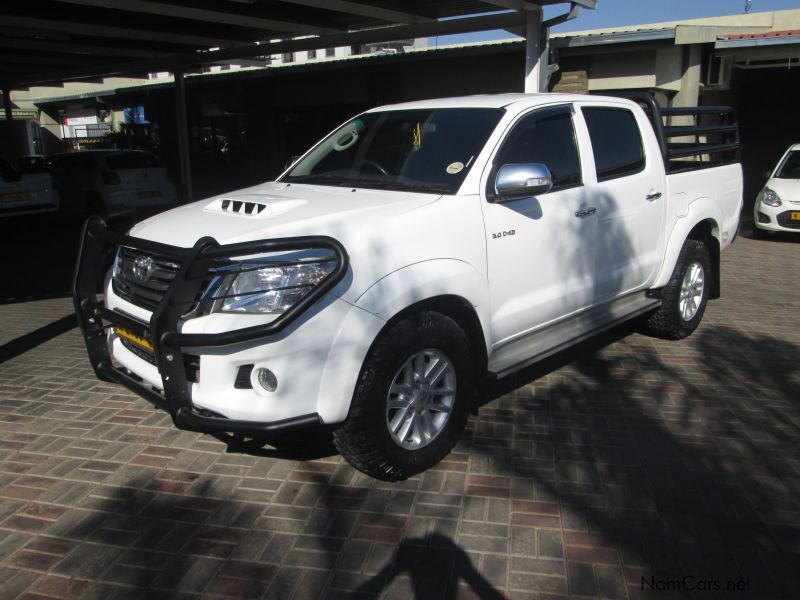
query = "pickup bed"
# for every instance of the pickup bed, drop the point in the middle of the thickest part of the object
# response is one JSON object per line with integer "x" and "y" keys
{"x": 416, "y": 250}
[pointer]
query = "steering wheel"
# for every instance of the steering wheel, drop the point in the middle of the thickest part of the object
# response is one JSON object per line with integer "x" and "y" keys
{"x": 373, "y": 165}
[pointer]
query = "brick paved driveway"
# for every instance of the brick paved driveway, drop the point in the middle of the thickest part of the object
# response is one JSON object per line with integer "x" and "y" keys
{"x": 630, "y": 458}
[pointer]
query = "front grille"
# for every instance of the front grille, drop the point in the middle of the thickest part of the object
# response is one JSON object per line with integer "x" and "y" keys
{"x": 784, "y": 220}
{"x": 142, "y": 278}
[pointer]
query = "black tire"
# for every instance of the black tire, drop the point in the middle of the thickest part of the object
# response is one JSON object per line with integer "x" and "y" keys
{"x": 364, "y": 439}
{"x": 667, "y": 322}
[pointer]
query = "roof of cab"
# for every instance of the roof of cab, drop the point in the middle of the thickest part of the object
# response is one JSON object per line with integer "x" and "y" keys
{"x": 492, "y": 101}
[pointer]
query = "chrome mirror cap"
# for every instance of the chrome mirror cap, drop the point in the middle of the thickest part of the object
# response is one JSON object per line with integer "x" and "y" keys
{"x": 515, "y": 181}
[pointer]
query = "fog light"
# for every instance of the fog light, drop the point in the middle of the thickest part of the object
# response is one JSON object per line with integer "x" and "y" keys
{"x": 266, "y": 379}
{"x": 762, "y": 218}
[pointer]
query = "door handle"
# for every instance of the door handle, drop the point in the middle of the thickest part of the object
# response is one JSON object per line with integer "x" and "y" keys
{"x": 585, "y": 212}
{"x": 653, "y": 196}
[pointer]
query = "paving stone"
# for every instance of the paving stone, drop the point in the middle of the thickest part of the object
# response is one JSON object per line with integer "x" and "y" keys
{"x": 627, "y": 457}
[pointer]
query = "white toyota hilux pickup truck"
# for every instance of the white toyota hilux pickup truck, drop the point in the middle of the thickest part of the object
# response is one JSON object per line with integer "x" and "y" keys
{"x": 415, "y": 251}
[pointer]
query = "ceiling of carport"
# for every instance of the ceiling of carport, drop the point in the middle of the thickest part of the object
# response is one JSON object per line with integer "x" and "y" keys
{"x": 52, "y": 41}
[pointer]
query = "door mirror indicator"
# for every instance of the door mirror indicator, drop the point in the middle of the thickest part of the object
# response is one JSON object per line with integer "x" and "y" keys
{"x": 514, "y": 181}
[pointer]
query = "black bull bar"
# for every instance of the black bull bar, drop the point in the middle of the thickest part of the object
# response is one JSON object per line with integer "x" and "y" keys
{"x": 98, "y": 243}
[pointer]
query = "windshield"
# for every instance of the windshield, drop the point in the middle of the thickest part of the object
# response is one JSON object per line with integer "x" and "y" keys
{"x": 790, "y": 169}
{"x": 405, "y": 150}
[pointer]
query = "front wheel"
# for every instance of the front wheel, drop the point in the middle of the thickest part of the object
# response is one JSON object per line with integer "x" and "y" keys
{"x": 412, "y": 399}
{"x": 685, "y": 296}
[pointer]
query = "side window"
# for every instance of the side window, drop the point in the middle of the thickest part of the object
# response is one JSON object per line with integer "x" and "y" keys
{"x": 548, "y": 137}
{"x": 616, "y": 142}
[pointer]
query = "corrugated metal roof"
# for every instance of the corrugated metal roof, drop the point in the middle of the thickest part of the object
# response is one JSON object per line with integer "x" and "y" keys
{"x": 752, "y": 36}
{"x": 750, "y": 40}
{"x": 578, "y": 39}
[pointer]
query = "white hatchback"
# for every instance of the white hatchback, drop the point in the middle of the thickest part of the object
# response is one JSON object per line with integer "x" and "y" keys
{"x": 25, "y": 193}
{"x": 97, "y": 180}
{"x": 777, "y": 206}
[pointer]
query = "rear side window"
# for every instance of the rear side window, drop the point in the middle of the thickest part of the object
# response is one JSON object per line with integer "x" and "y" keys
{"x": 616, "y": 142}
{"x": 546, "y": 137}
{"x": 131, "y": 160}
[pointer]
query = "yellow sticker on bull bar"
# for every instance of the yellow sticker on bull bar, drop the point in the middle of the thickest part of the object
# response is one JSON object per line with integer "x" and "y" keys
{"x": 139, "y": 341}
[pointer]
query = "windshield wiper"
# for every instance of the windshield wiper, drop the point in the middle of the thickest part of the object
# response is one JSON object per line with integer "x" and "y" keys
{"x": 318, "y": 178}
{"x": 399, "y": 186}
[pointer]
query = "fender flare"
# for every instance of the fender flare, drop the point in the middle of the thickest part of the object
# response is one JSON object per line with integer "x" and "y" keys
{"x": 700, "y": 210}
{"x": 429, "y": 279}
{"x": 374, "y": 310}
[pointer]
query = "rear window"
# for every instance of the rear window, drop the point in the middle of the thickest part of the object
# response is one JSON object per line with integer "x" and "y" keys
{"x": 132, "y": 160}
{"x": 616, "y": 143}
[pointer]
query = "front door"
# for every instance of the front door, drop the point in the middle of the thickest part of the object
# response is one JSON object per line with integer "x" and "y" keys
{"x": 540, "y": 249}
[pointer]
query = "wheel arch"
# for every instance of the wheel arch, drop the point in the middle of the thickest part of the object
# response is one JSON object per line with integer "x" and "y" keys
{"x": 707, "y": 232}
{"x": 701, "y": 224}
{"x": 461, "y": 311}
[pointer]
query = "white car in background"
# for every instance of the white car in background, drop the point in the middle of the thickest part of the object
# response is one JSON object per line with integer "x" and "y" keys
{"x": 96, "y": 180}
{"x": 25, "y": 193}
{"x": 777, "y": 206}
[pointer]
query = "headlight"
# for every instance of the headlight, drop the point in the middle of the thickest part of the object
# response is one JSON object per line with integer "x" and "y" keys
{"x": 770, "y": 198}
{"x": 115, "y": 269}
{"x": 271, "y": 289}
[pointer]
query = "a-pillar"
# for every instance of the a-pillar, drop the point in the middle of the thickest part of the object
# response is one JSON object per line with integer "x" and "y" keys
{"x": 536, "y": 58}
{"x": 182, "y": 122}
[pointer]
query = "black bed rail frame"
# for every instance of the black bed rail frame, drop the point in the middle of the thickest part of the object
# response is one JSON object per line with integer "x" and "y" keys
{"x": 727, "y": 150}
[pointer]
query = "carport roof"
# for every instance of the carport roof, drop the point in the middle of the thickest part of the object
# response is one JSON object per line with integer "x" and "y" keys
{"x": 50, "y": 41}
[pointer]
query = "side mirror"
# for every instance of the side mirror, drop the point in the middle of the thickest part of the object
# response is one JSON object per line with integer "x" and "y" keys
{"x": 290, "y": 162}
{"x": 521, "y": 181}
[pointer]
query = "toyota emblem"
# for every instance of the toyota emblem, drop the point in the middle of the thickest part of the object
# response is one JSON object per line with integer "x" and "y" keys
{"x": 142, "y": 269}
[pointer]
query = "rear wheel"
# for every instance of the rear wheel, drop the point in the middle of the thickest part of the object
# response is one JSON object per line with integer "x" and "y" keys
{"x": 685, "y": 296}
{"x": 412, "y": 399}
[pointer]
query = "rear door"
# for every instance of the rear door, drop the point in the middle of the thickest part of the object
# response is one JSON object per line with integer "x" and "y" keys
{"x": 627, "y": 186}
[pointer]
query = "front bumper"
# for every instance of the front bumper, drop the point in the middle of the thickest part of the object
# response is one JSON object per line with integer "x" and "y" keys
{"x": 163, "y": 331}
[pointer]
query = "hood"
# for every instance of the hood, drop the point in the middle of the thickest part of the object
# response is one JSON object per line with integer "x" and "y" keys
{"x": 787, "y": 189}
{"x": 274, "y": 209}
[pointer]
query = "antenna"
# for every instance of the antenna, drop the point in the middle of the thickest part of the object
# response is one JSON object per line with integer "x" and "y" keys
{"x": 748, "y": 4}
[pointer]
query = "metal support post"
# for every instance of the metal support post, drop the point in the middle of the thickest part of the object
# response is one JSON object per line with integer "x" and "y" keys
{"x": 182, "y": 122}
{"x": 7, "y": 104}
{"x": 535, "y": 50}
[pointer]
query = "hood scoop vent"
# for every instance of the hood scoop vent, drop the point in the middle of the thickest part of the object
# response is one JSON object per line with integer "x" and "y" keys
{"x": 241, "y": 207}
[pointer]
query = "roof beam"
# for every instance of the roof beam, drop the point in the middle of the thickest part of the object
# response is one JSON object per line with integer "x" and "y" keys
{"x": 370, "y": 36}
{"x": 362, "y": 10}
{"x": 12, "y": 22}
{"x": 527, "y": 5}
{"x": 199, "y": 14}
{"x": 38, "y": 59}
{"x": 78, "y": 49}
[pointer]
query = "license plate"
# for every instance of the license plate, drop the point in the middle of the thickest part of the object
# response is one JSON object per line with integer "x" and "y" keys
{"x": 19, "y": 197}
{"x": 794, "y": 215}
{"x": 135, "y": 339}
{"x": 153, "y": 194}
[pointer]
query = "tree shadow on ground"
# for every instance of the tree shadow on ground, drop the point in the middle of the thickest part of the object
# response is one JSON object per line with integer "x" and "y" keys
{"x": 680, "y": 475}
